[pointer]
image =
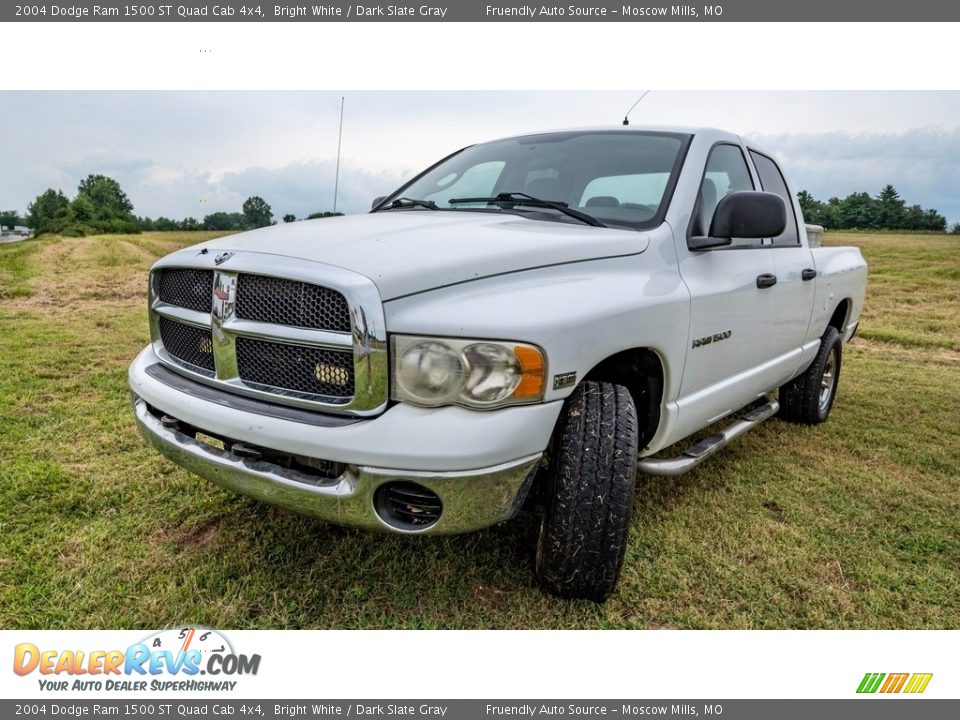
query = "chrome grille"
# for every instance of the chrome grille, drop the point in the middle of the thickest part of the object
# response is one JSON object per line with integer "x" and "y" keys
{"x": 281, "y": 329}
{"x": 310, "y": 370}
{"x": 288, "y": 302}
{"x": 187, "y": 343}
{"x": 186, "y": 288}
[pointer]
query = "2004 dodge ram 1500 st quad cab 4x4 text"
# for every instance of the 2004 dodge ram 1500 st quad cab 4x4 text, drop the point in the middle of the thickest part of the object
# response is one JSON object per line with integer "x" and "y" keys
{"x": 542, "y": 313}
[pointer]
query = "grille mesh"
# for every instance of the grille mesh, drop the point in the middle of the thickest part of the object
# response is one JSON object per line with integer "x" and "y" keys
{"x": 187, "y": 288}
{"x": 293, "y": 367}
{"x": 187, "y": 343}
{"x": 289, "y": 302}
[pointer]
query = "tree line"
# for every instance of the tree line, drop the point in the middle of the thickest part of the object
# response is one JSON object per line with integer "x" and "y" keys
{"x": 224, "y": 220}
{"x": 861, "y": 211}
{"x": 102, "y": 207}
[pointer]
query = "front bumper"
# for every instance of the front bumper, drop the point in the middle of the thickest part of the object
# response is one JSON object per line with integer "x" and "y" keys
{"x": 474, "y": 497}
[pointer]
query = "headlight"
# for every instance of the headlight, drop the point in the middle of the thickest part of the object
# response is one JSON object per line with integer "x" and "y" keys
{"x": 476, "y": 373}
{"x": 429, "y": 371}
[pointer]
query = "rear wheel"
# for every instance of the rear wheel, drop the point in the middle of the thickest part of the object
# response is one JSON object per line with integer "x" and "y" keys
{"x": 583, "y": 535}
{"x": 808, "y": 398}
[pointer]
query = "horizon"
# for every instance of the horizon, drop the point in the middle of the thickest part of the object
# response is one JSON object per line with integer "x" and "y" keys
{"x": 192, "y": 154}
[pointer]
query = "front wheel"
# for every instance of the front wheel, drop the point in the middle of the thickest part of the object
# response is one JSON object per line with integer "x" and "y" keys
{"x": 808, "y": 398}
{"x": 583, "y": 536}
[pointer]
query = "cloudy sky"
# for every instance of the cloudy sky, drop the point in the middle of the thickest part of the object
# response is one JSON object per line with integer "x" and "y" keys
{"x": 193, "y": 153}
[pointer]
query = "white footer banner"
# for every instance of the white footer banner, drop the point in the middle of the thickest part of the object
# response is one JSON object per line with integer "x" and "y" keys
{"x": 198, "y": 662}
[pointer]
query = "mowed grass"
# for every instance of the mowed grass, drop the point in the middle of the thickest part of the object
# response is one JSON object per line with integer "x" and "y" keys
{"x": 853, "y": 524}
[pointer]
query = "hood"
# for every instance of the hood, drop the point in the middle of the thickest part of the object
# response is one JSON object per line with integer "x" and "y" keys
{"x": 410, "y": 251}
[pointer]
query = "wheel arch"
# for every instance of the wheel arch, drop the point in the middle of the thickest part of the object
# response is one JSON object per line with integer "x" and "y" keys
{"x": 641, "y": 371}
{"x": 839, "y": 318}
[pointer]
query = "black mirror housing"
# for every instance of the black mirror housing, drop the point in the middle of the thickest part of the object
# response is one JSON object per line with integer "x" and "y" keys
{"x": 705, "y": 242}
{"x": 749, "y": 214}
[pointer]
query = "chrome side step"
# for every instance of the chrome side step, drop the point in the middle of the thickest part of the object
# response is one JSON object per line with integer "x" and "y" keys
{"x": 700, "y": 451}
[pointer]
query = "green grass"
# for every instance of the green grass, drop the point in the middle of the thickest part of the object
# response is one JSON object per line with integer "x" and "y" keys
{"x": 853, "y": 524}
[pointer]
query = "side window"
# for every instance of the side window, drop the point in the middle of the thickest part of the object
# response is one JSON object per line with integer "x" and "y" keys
{"x": 771, "y": 179}
{"x": 726, "y": 172}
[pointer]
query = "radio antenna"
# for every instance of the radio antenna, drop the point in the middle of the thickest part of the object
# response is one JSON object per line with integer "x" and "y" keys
{"x": 626, "y": 118}
{"x": 336, "y": 177}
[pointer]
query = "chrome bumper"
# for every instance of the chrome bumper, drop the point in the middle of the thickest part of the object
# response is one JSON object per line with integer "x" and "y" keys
{"x": 472, "y": 499}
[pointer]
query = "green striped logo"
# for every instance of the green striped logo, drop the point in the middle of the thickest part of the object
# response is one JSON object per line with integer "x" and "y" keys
{"x": 888, "y": 683}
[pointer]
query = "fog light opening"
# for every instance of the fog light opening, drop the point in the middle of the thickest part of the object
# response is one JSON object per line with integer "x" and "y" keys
{"x": 407, "y": 506}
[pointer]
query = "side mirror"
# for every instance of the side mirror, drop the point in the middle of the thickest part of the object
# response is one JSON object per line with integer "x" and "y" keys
{"x": 377, "y": 201}
{"x": 746, "y": 214}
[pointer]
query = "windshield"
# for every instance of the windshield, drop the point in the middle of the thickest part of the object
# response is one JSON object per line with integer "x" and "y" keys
{"x": 617, "y": 177}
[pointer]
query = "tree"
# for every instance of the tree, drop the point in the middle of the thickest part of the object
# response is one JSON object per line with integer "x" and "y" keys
{"x": 189, "y": 223}
{"x": 223, "y": 221}
{"x": 858, "y": 210}
{"x": 913, "y": 218}
{"x": 935, "y": 221}
{"x": 165, "y": 224}
{"x": 955, "y": 229}
{"x": 9, "y": 218}
{"x": 84, "y": 211}
{"x": 256, "y": 212}
{"x": 814, "y": 211}
{"x": 289, "y": 218}
{"x": 50, "y": 212}
{"x": 807, "y": 202}
{"x": 106, "y": 196}
{"x": 891, "y": 210}
{"x": 831, "y": 213}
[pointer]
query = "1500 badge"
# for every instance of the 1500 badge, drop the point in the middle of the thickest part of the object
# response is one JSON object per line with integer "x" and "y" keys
{"x": 716, "y": 337}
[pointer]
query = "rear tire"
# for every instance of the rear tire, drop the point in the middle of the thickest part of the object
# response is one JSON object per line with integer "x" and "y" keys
{"x": 583, "y": 535}
{"x": 808, "y": 398}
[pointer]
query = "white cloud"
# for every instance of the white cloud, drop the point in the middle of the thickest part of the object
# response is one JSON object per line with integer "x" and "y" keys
{"x": 193, "y": 153}
{"x": 923, "y": 164}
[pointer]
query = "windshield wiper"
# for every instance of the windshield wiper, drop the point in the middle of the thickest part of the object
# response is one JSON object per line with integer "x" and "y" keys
{"x": 519, "y": 198}
{"x": 408, "y": 202}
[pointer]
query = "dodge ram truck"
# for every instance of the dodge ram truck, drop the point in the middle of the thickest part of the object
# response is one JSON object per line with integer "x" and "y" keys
{"x": 545, "y": 316}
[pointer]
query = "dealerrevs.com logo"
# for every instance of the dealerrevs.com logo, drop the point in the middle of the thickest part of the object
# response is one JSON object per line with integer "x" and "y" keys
{"x": 178, "y": 659}
{"x": 909, "y": 683}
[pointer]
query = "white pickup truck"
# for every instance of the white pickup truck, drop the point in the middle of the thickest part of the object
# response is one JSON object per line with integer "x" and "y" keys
{"x": 540, "y": 315}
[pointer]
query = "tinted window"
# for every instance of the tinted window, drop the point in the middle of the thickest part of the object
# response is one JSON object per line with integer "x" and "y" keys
{"x": 476, "y": 181}
{"x": 643, "y": 189}
{"x": 622, "y": 177}
{"x": 726, "y": 172}
{"x": 771, "y": 179}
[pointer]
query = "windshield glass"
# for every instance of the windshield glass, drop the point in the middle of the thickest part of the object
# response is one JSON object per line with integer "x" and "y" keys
{"x": 618, "y": 177}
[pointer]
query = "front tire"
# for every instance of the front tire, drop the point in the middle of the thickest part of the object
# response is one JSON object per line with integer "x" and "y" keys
{"x": 583, "y": 535}
{"x": 808, "y": 398}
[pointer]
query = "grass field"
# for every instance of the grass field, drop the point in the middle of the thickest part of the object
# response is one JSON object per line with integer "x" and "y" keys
{"x": 854, "y": 524}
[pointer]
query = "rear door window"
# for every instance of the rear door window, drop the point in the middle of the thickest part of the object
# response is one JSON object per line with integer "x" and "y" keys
{"x": 771, "y": 180}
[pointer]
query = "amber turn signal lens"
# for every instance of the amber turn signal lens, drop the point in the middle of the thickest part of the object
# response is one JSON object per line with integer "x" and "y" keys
{"x": 531, "y": 361}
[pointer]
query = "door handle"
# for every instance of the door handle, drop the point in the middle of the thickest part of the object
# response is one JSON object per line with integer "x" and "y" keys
{"x": 808, "y": 274}
{"x": 766, "y": 280}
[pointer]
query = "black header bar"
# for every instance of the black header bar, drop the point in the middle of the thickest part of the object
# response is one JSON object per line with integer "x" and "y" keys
{"x": 484, "y": 11}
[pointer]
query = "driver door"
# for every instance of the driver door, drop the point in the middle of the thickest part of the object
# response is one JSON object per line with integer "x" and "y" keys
{"x": 729, "y": 313}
